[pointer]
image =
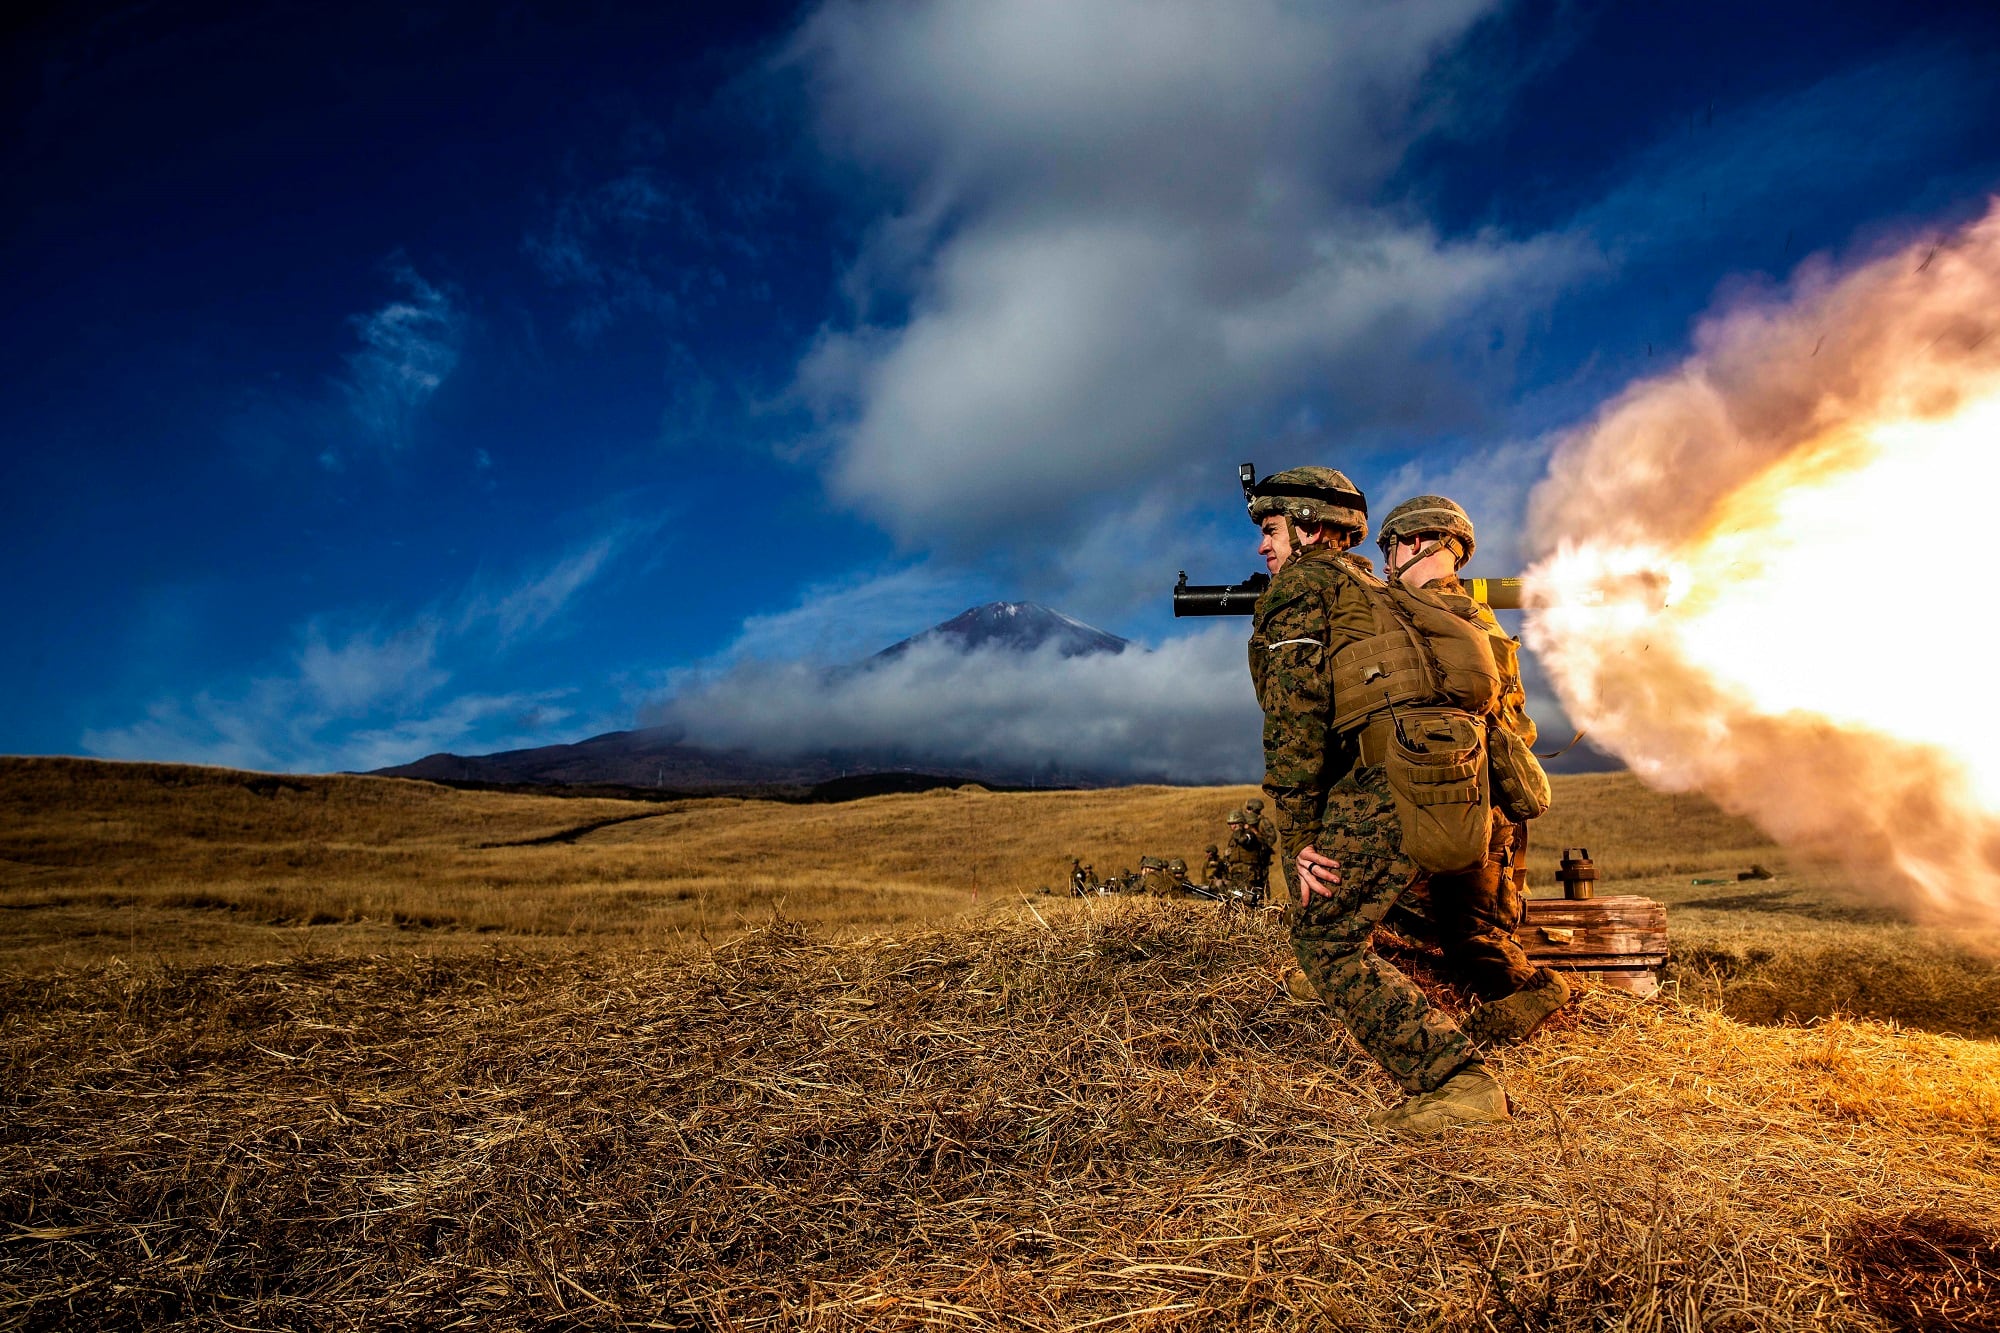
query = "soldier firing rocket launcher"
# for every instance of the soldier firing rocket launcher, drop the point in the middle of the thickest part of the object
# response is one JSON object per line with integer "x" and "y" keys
{"x": 1240, "y": 599}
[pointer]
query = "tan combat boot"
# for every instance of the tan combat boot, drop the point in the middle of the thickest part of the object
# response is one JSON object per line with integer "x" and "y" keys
{"x": 1515, "y": 1017}
{"x": 1300, "y": 988}
{"x": 1472, "y": 1096}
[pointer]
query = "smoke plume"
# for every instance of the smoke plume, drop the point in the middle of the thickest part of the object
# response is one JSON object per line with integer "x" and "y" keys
{"x": 1760, "y": 574}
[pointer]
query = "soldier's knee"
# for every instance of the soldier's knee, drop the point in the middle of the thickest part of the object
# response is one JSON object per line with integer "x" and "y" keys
{"x": 1335, "y": 933}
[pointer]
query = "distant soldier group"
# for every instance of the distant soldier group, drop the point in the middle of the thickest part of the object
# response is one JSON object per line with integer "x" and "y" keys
{"x": 1244, "y": 869}
{"x": 1237, "y": 871}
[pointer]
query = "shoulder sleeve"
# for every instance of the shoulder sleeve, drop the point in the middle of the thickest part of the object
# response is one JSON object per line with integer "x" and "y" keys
{"x": 1290, "y": 657}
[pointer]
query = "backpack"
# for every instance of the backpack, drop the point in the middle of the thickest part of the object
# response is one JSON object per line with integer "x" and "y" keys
{"x": 1429, "y": 680}
{"x": 1421, "y": 654}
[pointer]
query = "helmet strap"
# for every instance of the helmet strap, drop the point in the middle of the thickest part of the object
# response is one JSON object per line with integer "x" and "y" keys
{"x": 1396, "y": 571}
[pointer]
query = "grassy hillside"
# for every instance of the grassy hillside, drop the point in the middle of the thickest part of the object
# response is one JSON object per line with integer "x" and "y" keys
{"x": 1090, "y": 1115}
{"x": 143, "y": 865}
{"x": 352, "y": 1052}
{"x": 177, "y": 862}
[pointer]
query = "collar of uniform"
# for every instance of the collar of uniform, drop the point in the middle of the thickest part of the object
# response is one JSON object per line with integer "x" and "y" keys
{"x": 1317, "y": 553}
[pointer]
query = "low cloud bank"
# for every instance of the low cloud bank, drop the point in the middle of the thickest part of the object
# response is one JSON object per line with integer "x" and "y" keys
{"x": 1181, "y": 712}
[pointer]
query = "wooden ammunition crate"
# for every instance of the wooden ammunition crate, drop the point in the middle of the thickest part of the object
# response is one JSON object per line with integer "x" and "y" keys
{"x": 1620, "y": 939}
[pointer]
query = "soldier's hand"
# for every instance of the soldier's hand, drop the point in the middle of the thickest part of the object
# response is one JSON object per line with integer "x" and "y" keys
{"x": 1318, "y": 875}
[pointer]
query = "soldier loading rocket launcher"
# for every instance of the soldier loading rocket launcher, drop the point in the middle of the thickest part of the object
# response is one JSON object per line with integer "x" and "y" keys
{"x": 1620, "y": 940}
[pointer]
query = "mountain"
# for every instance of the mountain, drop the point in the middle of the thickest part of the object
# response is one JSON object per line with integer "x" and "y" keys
{"x": 651, "y": 757}
{"x": 1020, "y": 627}
{"x": 658, "y": 757}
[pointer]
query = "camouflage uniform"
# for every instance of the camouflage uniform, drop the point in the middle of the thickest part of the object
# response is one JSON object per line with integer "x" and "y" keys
{"x": 1261, "y": 843}
{"x": 1261, "y": 825}
{"x": 1240, "y": 855}
{"x": 1249, "y": 861}
{"x": 1212, "y": 867}
{"x": 1326, "y": 798}
{"x": 1476, "y": 911}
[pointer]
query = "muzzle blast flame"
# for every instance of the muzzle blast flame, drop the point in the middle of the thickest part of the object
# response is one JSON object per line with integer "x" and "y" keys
{"x": 1769, "y": 584}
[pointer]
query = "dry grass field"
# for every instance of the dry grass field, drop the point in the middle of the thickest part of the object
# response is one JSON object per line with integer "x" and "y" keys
{"x": 348, "y": 1052}
{"x": 149, "y": 864}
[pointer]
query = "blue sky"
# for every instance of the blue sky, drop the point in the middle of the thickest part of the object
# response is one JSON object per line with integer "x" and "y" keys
{"x": 394, "y": 379}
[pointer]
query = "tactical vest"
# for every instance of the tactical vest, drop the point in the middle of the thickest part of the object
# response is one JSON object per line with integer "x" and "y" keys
{"x": 1419, "y": 692}
{"x": 1420, "y": 654}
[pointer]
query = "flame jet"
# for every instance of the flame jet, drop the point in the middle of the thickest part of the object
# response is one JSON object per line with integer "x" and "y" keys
{"x": 1763, "y": 578}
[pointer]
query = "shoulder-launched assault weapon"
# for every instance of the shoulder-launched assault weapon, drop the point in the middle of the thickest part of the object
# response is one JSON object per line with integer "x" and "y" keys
{"x": 1240, "y": 599}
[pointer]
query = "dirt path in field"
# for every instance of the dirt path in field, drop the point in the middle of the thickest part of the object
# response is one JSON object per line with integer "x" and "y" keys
{"x": 572, "y": 834}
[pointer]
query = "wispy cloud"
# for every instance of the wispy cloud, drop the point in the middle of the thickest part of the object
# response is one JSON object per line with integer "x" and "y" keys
{"x": 603, "y": 244}
{"x": 368, "y": 695}
{"x": 844, "y": 619}
{"x": 408, "y": 349}
{"x": 647, "y": 242}
{"x": 529, "y": 605}
{"x": 273, "y": 724}
{"x": 369, "y": 666}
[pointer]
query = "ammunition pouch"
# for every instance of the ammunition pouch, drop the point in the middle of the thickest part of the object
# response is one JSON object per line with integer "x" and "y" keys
{"x": 1520, "y": 787}
{"x": 1437, "y": 770}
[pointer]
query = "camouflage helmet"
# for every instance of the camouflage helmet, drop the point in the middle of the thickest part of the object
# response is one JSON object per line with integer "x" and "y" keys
{"x": 1177, "y": 866}
{"x": 1210, "y": 849}
{"x": 1238, "y": 817}
{"x": 1317, "y": 495}
{"x": 1255, "y": 805}
{"x": 1428, "y": 513}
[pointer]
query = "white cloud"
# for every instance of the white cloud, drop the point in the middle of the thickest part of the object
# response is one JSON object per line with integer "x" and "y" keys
{"x": 369, "y": 666}
{"x": 1129, "y": 234}
{"x": 1182, "y": 712}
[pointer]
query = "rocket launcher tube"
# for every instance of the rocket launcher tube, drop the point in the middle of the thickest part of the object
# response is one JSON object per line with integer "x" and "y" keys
{"x": 1500, "y": 594}
{"x": 1219, "y": 599}
{"x": 1240, "y": 599}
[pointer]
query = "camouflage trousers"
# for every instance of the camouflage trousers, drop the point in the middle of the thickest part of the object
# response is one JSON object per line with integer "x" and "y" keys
{"x": 1475, "y": 912}
{"x": 1244, "y": 877}
{"x": 1332, "y": 937}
